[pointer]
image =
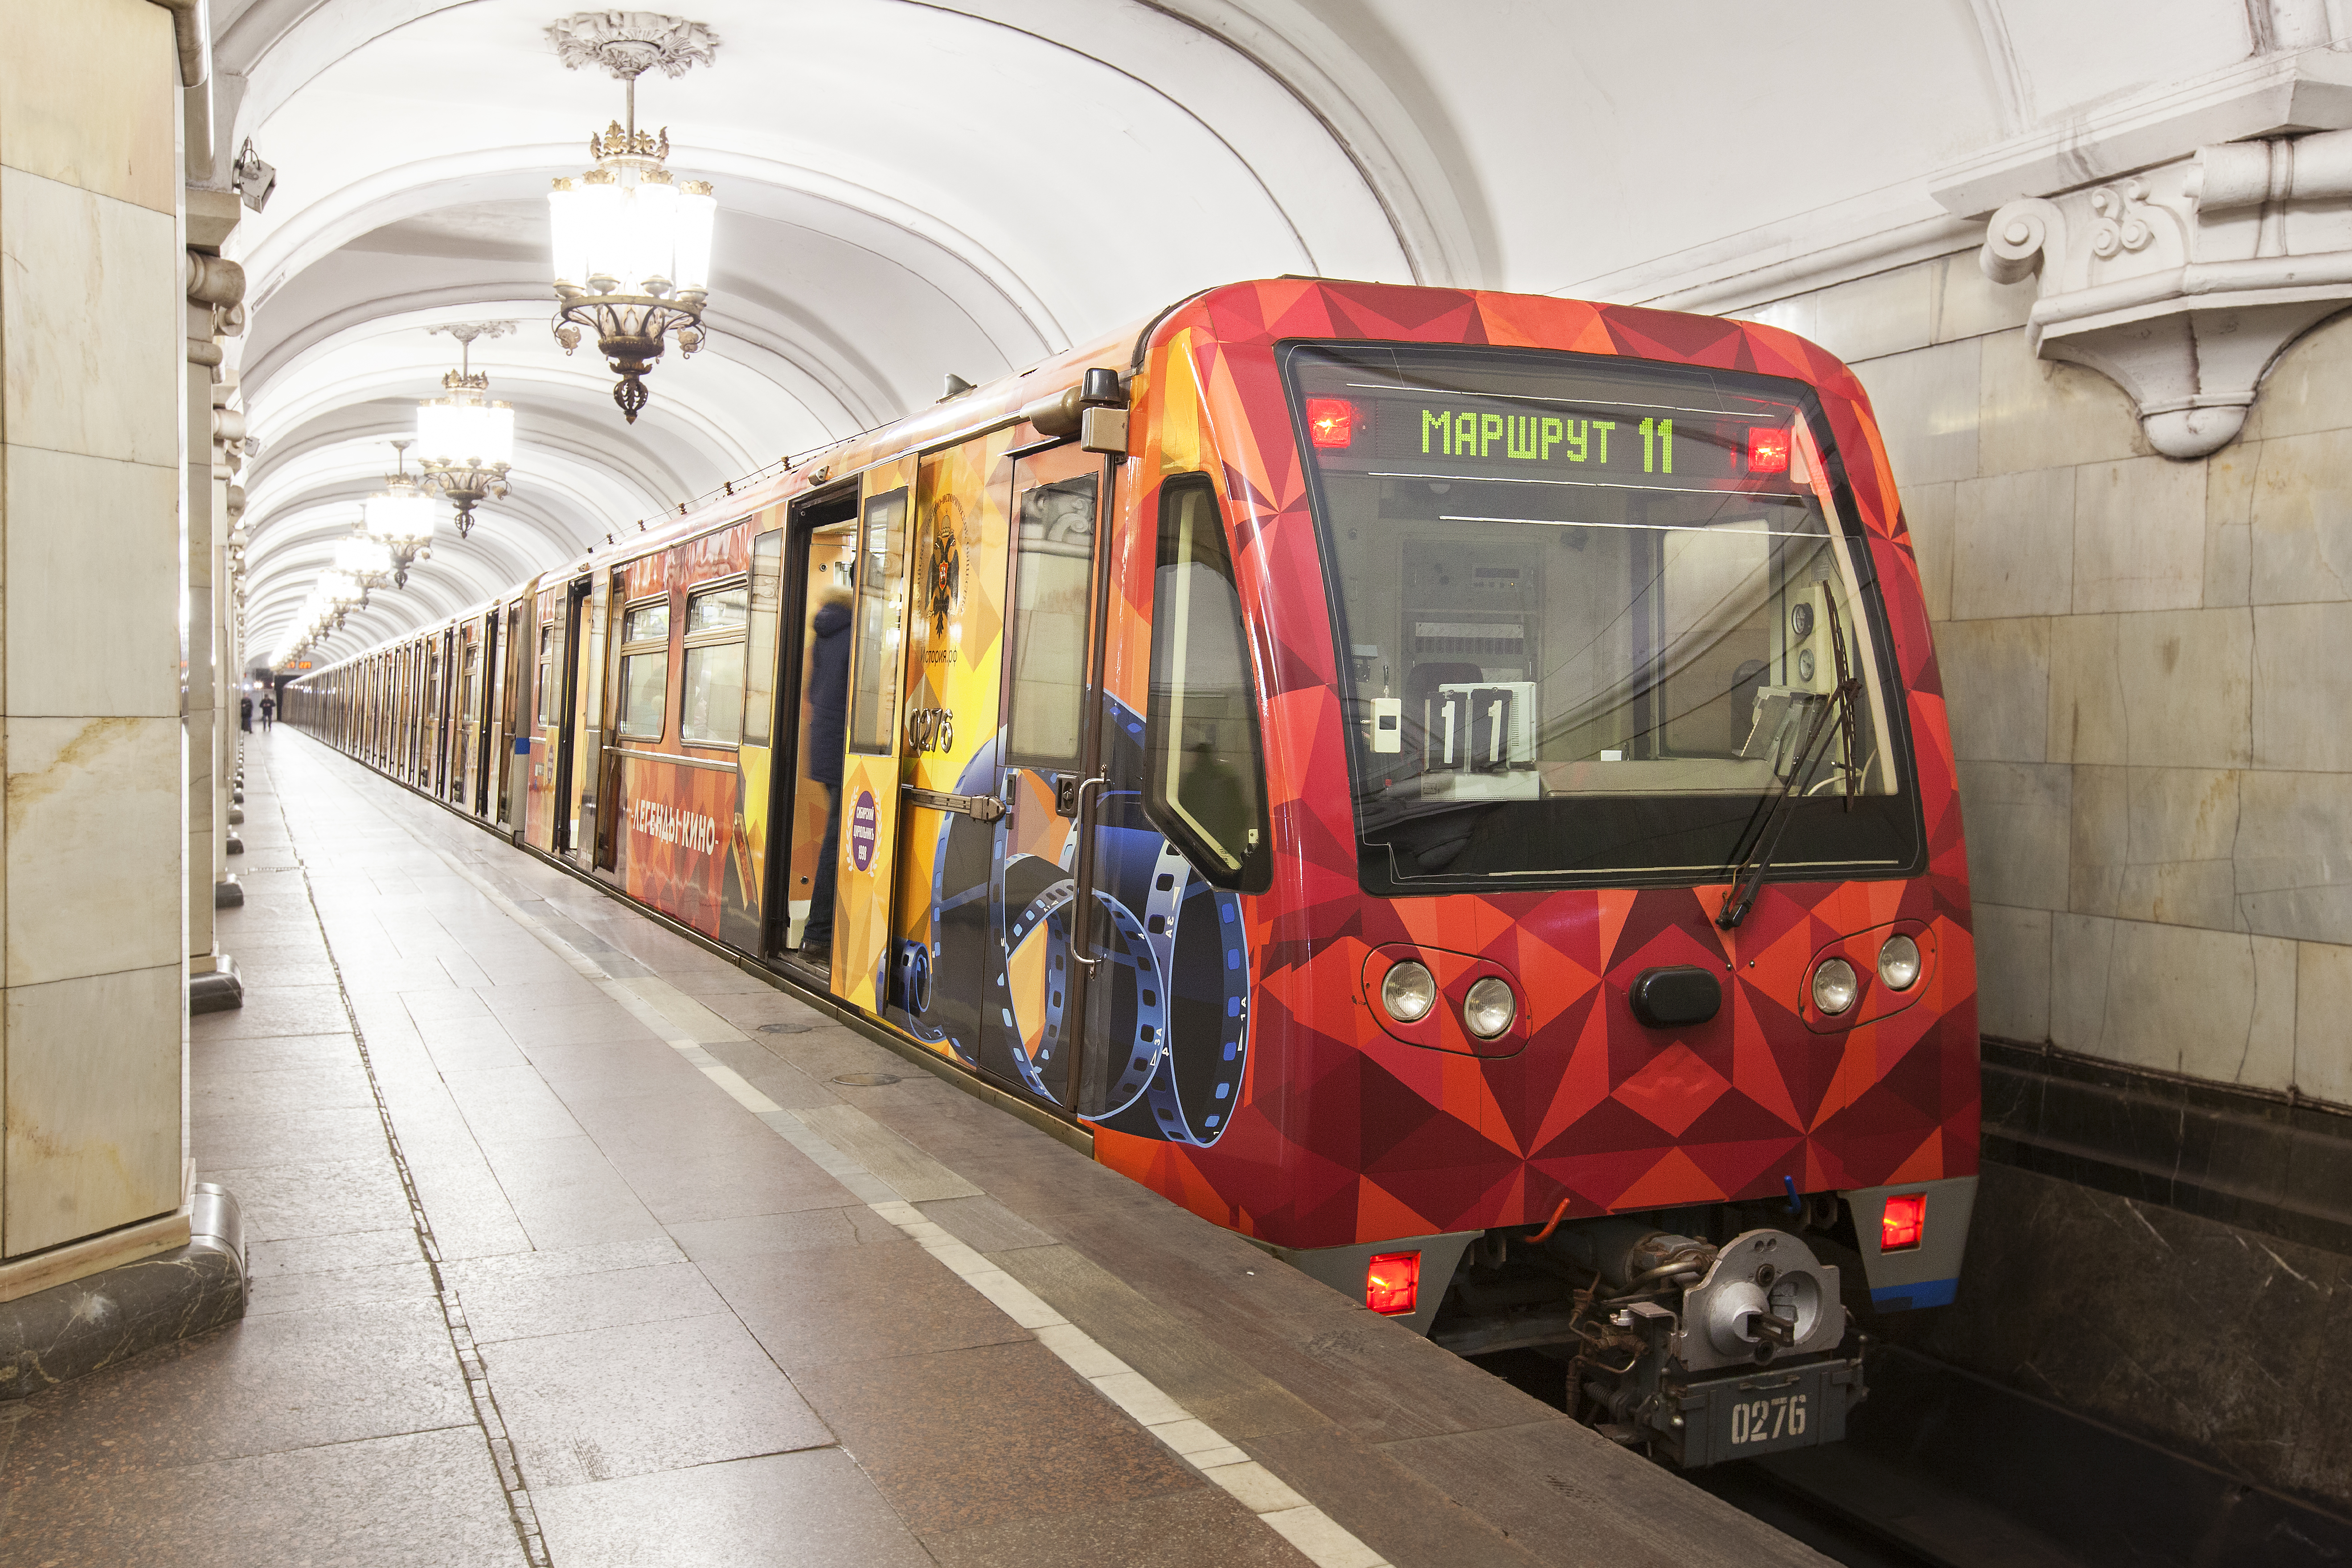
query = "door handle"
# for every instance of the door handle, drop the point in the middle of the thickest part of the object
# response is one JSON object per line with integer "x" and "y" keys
{"x": 1081, "y": 943}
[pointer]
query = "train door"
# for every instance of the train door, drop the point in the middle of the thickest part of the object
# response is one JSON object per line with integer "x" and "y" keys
{"x": 590, "y": 603}
{"x": 465, "y": 777}
{"x": 510, "y": 739}
{"x": 944, "y": 963}
{"x": 1033, "y": 990}
{"x": 564, "y": 729}
{"x": 544, "y": 719}
{"x": 876, "y": 741}
{"x": 818, "y": 569}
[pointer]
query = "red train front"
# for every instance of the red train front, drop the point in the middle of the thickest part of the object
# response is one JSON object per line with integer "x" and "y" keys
{"x": 1611, "y": 863}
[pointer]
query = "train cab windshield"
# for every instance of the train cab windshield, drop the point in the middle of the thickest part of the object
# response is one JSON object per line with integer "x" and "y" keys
{"x": 1595, "y": 615}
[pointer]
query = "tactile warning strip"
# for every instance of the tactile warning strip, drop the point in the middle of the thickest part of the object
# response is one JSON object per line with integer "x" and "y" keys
{"x": 890, "y": 1176}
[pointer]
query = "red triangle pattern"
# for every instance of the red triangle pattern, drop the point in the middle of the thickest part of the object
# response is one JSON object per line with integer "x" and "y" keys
{"x": 1344, "y": 1134}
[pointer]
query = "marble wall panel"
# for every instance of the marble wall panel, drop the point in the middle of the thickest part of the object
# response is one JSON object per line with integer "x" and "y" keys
{"x": 2323, "y": 1021}
{"x": 2292, "y": 855}
{"x": 1996, "y": 688}
{"x": 1869, "y": 318}
{"x": 2299, "y": 540}
{"x": 92, "y": 1076}
{"x": 2098, "y": 840}
{"x": 84, "y": 531}
{"x": 2041, "y": 414}
{"x": 88, "y": 98}
{"x": 2019, "y": 817}
{"x": 2013, "y": 545}
{"x": 93, "y": 847}
{"x": 95, "y": 341}
{"x": 2013, "y": 971}
{"x": 2302, "y": 687}
{"x": 2213, "y": 1004}
{"x": 1926, "y": 406}
{"x": 2228, "y": 523}
{"x": 1967, "y": 304}
{"x": 1927, "y": 513}
{"x": 2310, "y": 387}
{"x": 2086, "y": 720}
{"x": 2183, "y": 827}
{"x": 2185, "y": 677}
{"x": 2139, "y": 536}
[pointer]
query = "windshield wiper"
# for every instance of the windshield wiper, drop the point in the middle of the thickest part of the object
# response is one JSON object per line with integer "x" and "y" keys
{"x": 1762, "y": 841}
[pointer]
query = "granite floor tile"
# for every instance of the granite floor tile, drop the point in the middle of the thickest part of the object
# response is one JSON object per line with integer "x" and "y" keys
{"x": 329, "y": 1287}
{"x": 528, "y": 1309}
{"x": 560, "y": 1263}
{"x": 294, "y": 1010}
{"x": 1402, "y": 1517}
{"x": 422, "y": 1500}
{"x": 328, "y": 1254}
{"x": 745, "y": 1178}
{"x": 762, "y": 1235}
{"x": 1195, "y": 1529}
{"x": 225, "y": 1142}
{"x": 270, "y": 1053}
{"x": 810, "y": 1509}
{"x": 321, "y": 1197}
{"x": 338, "y": 1081}
{"x": 881, "y": 1298}
{"x": 628, "y": 1401}
{"x": 966, "y": 1438}
{"x": 267, "y": 1384}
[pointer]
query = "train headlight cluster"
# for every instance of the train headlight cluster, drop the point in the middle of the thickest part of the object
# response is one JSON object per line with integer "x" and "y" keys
{"x": 1835, "y": 986}
{"x": 1898, "y": 962}
{"x": 1489, "y": 1009}
{"x": 1408, "y": 991}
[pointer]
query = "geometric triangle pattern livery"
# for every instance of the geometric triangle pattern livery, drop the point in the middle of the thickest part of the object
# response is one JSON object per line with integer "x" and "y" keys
{"x": 1342, "y": 1133}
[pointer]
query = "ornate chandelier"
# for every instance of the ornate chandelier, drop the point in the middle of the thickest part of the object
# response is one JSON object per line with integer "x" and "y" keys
{"x": 465, "y": 442}
{"x": 402, "y": 518}
{"x": 632, "y": 245}
{"x": 363, "y": 558}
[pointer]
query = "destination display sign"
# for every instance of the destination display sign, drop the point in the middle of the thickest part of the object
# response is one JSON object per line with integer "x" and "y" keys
{"x": 1641, "y": 445}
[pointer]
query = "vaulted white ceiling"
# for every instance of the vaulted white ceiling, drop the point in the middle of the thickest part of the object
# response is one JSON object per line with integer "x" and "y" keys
{"x": 913, "y": 187}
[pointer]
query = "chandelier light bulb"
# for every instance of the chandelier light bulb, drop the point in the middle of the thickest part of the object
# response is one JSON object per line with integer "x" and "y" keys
{"x": 631, "y": 261}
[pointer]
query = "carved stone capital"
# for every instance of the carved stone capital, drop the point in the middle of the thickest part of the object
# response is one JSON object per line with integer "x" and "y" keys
{"x": 2182, "y": 284}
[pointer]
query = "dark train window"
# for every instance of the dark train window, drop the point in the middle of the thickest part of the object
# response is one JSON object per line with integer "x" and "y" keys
{"x": 1206, "y": 787}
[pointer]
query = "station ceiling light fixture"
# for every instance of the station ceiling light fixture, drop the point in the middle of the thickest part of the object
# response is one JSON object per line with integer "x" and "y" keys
{"x": 632, "y": 245}
{"x": 401, "y": 517}
{"x": 464, "y": 442}
{"x": 365, "y": 558}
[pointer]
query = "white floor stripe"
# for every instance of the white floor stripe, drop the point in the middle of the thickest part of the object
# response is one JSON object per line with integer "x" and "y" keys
{"x": 678, "y": 1019}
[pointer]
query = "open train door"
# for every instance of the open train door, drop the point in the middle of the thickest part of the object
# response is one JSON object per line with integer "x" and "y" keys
{"x": 870, "y": 772}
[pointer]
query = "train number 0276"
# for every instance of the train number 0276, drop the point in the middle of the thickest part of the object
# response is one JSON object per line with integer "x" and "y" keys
{"x": 1766, "y": 1420}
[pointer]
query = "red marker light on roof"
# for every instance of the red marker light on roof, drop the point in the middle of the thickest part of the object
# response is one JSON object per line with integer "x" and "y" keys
{"x": 1768, "y": 451}
{"x": 1330, "y": 422}
{"x": 1392, "y": 1283}
{"x": 1905, "y": 1221}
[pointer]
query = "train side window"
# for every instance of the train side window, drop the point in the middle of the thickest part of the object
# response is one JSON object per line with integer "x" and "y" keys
{"x": 548, "y": 696}
{"x": 1049, "y": 618}
{"x": 1206, "y": 786}
{"x": 645, "y": 668}
{"x": 759, "y": 660}
{"x": 711, "y": 709}
{"x": 881, "y": 606}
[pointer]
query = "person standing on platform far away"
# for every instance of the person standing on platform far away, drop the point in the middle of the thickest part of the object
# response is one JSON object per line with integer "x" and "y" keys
{"x": 268, "y": 711}
{"x": 245, "y": 714}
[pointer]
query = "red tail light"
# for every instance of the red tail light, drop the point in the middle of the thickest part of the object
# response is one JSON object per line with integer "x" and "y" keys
{"x": 1392, "y": 1283}
{"x": 1905, "y": 1221}
{"x": 1768, "y": 451}
{"x": 1330, "y": 422}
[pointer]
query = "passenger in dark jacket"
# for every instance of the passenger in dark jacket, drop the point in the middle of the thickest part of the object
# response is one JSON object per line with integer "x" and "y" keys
{"x": 828, "y": 695}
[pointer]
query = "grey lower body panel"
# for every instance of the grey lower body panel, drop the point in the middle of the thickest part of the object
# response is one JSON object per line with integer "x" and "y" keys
{"x": 1342, "y": 1268}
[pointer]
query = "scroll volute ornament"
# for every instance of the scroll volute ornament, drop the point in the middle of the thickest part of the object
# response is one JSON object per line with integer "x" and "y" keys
{"x": 2183, "y": 284}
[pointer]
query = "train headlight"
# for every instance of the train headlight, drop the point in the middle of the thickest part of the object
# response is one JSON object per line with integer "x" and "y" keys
{"x": 1489, "y": 1009}
{"x": 1835, "y": 986}
{"x": 1408, "y": 991}
{"x": 1898, "y": 962}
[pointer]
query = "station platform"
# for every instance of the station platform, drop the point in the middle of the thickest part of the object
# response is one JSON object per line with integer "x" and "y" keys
{"x": 573, "y": 1243}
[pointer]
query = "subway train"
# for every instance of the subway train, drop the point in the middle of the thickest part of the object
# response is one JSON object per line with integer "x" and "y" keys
{"x": 1452, "y": 787}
